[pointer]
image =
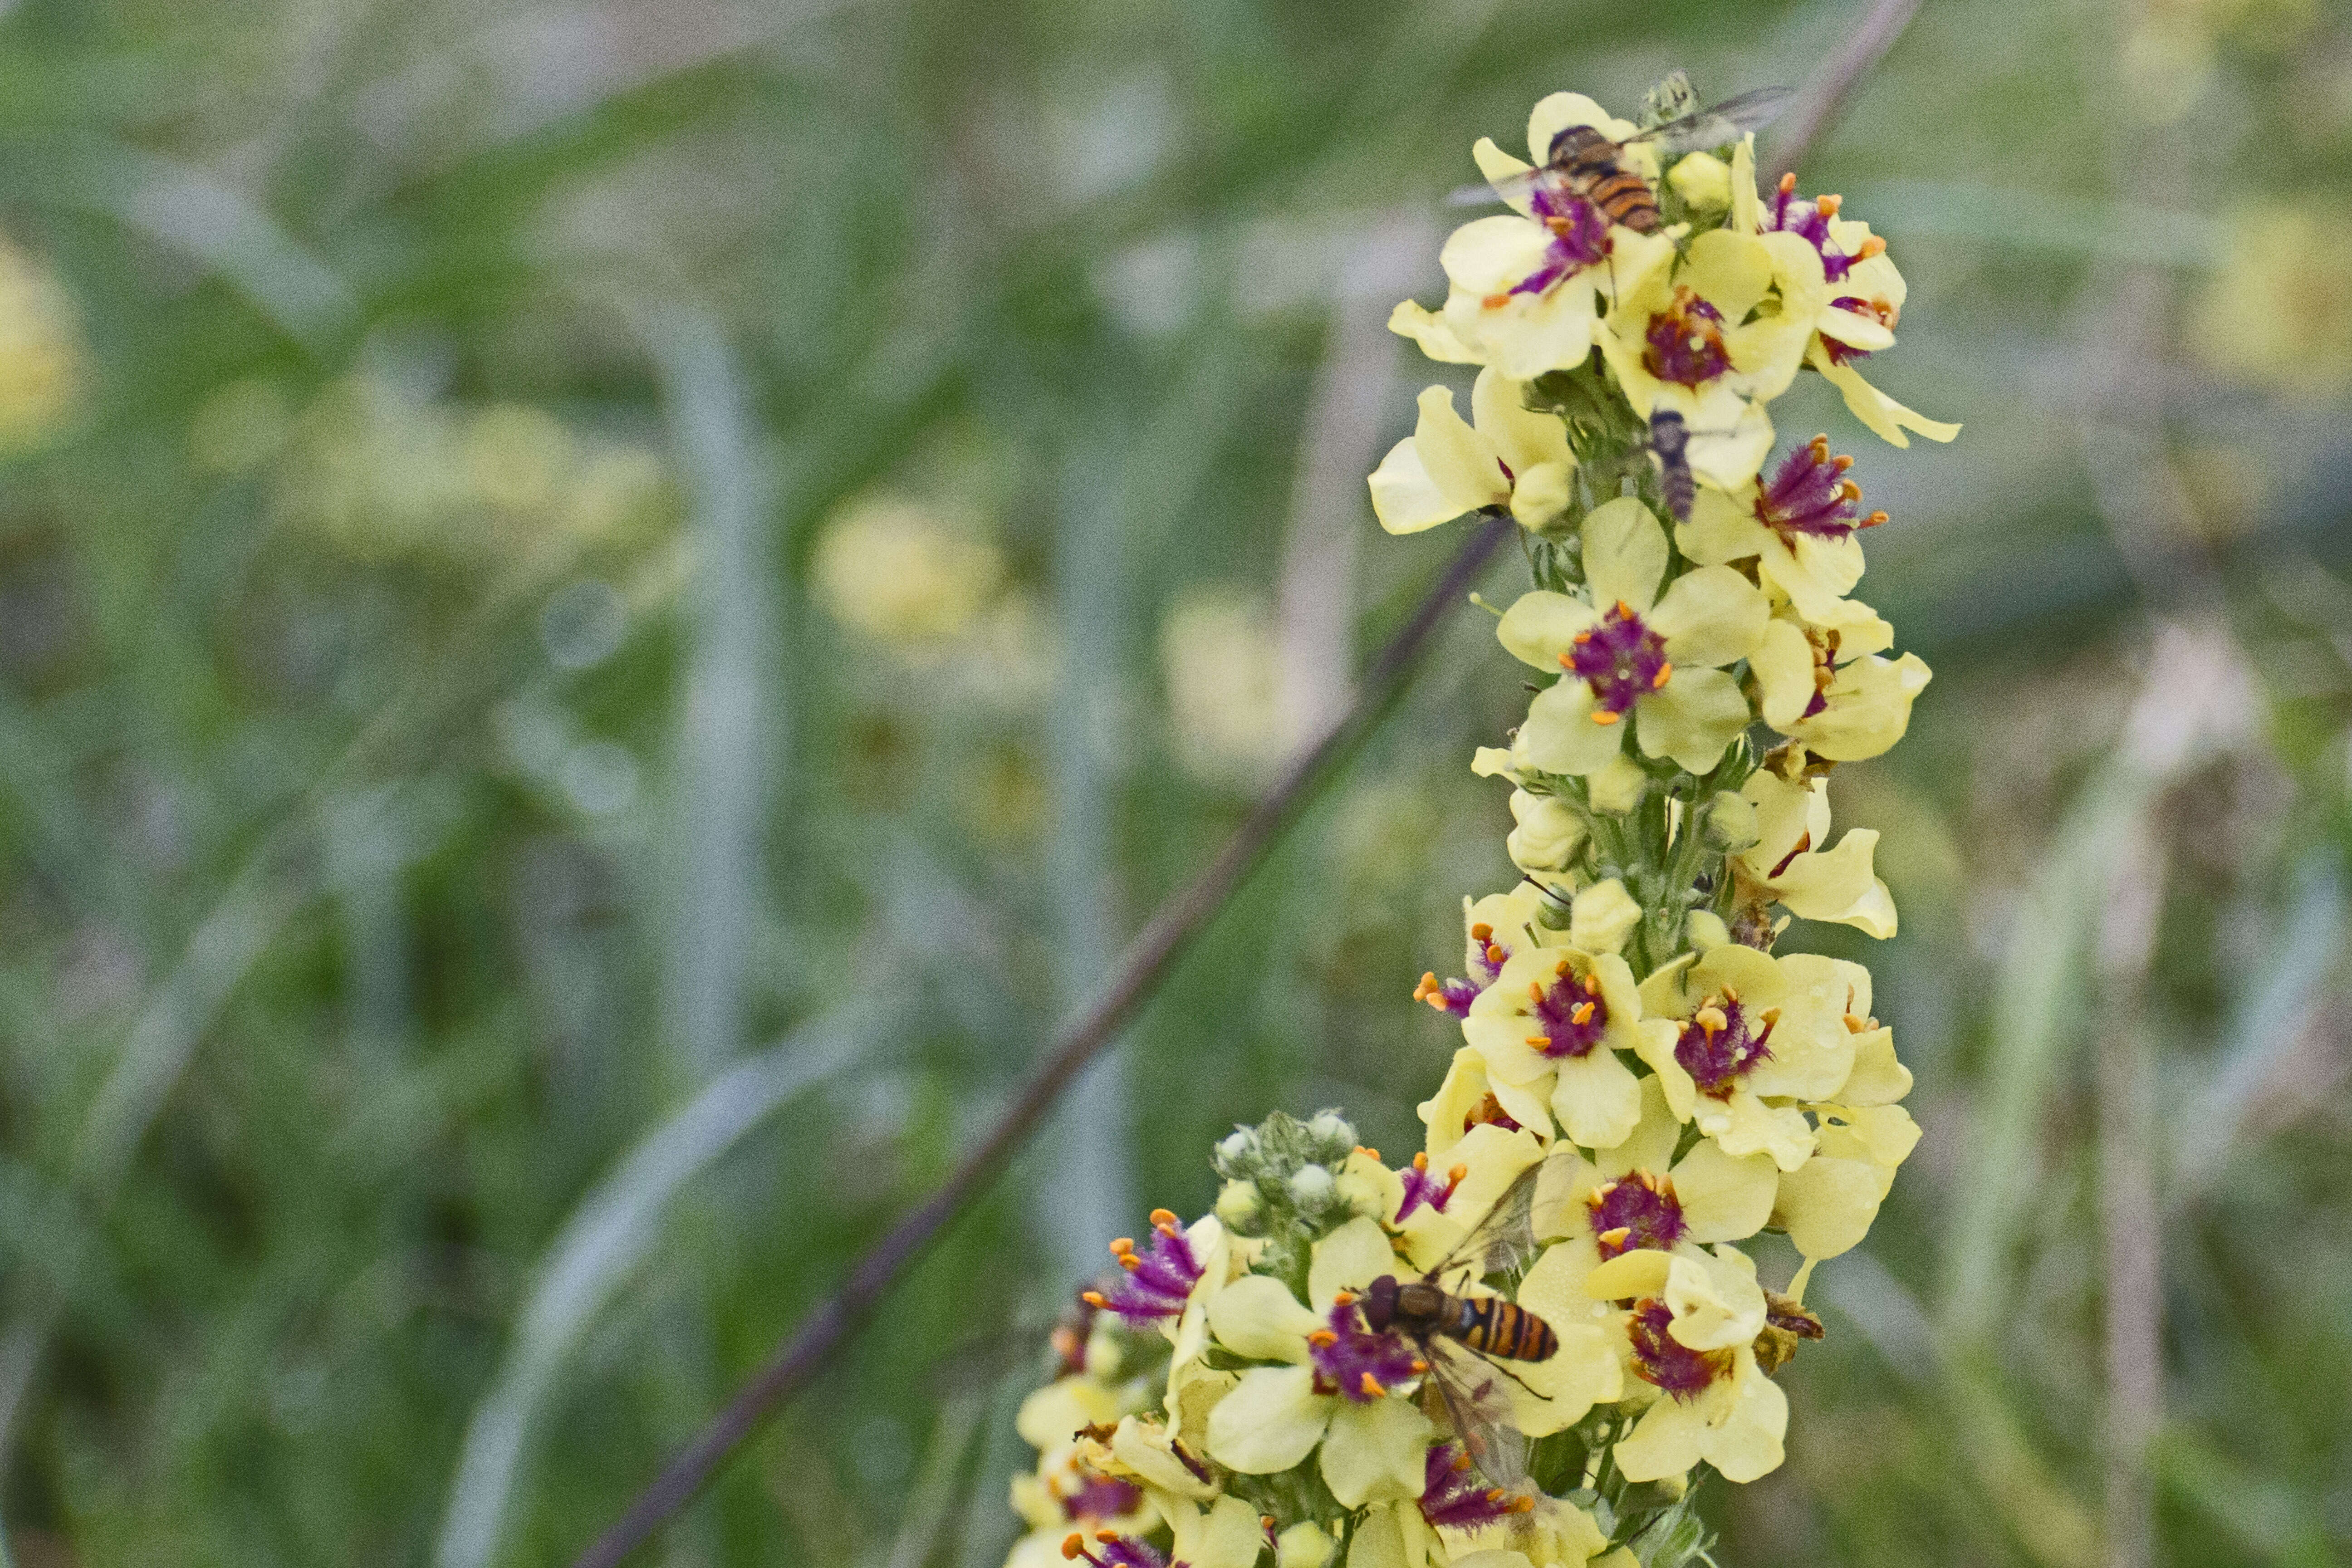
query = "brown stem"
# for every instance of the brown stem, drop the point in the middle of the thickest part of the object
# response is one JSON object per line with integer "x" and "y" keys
{"x": 1155, "y": 949}
{"x": 1824, "y": 97}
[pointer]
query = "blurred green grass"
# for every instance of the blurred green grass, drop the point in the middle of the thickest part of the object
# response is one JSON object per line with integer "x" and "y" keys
{"x": 439, "y": 767}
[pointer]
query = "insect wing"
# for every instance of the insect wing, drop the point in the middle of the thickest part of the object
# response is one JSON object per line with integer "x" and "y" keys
{"x": 1504, "y": 188}
{"x": 1725, "y": 121}
{"x": 1505, "y": 1238}
{"x": 1479, "y": 1407}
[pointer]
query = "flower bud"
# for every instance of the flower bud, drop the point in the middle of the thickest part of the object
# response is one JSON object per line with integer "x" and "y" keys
{"x": 1730, "y": 821}
{"x": 1303, "y": 1545}
{"x": 1333, "y": 1133}
{"x": 1239, "y": 1206}
{"x": 1548, "y": 834}
{"x": 1312, "y": 1186}
{"x": 1237, "y": 1148}
{"x": 1703, "y": 180}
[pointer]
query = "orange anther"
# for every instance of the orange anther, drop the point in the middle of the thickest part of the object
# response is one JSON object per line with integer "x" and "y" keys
{"x": 1482, "y": 932}
{"x": 1827, "y": 206}
{"x": 1841, "y": 462}
{"x": 1614, "y": 1237}
{"x": 1129, "y": 1261}
{"x": 1093, "y": 1299}
{"x": 1322, "y": 1337}
{"x": 1073, "y": 1545}
{"x": 1540, "y": 1042}
{"x": 1659, "y": 679}
{"x": 1560, "y": 968}
{"x": 1123, "y": 1244}
{"x": 1162, "y": 1218}
{"x": 1371, "y": 1387}
{"x": 1624, "y": 609}
{"x": 1711, "y": 1020}
{"x": 1494, "y": 954}
{"x": 1851, "y": 490}
{"x": 1788, "y": 183}
{"x": 1368, "y": 1153}
{"x": 1456, "y": 1173}
{"x": 1494, "y": 301}
{"x": 1603, "y": 716}
{"x": 1462, "y": 1460}
{"x": 1420, "y": 1161}
{"x": 1535, "y": 991}
{"x": 1872, "y": 521}
{"x": 1582, "y": 1014}
{"x": 1593, "y": 985}
{"x": 1870, "y": 247}
{"x": 1343, "y": 1297}
{"x": 1522, "y": 1504}
{"x": 1419, "y": 1367}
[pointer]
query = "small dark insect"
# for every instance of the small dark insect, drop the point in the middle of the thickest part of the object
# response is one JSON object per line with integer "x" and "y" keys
{"x": 1582, "y": 162}
{"x": 1670, "y": 443}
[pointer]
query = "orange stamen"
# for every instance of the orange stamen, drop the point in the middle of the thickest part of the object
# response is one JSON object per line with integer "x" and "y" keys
{"x": 1371, "y": 1387}
{"x": 1788, "y": 183}
{"x": 1582, "y": 1014}
{"x": 1660, "y": 679}
{"x": 1321, "y": 1338}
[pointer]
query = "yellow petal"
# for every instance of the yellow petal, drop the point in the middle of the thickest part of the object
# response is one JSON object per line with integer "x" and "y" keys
{"x": 1375, "y": 1450}
{"x": 1692, "y": 717}
{"x": 1602, "y": 917}
{"x": 1460, "y": 462}
{"x": 1350, "y": 1259}
{"x": 1710, "y": 617}
{"x": 1624, "y": 554}
{"x": 1541, "y": 625}
{"x": 1404, "y": 497}
{"x": 1257, "y": 1317}
{"x": 1270, "y": 1421}
{"x": 1431, "y": 330}
{"x": 1827, "y": 1205}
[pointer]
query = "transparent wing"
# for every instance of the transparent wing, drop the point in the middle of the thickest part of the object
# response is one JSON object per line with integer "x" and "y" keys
{"x": 1506, "y": 1236}
{"x": 1722, "y": 122}
{"x": 1478, "y": 1408}
{"x": 1485, "y": 191}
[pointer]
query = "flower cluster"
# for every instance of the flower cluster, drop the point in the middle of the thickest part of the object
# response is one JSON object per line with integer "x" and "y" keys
{"x": 1524, "y": 1344}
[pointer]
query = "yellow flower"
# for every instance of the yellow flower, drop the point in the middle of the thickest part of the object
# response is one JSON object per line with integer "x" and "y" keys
{"x": 1827, "y": 1205}
{"x": 40, "y": 353}
{"x": 901, "y": 573}
{"x": 1524, "y": 287}
{"x": 1799, "y": 529}
{"x": 1757, "y": 1033}
{"x": 1638, "y": 1195}
{"x": 1822, "y": 884}
{"x": 1861, "y": 301}
{"x": 1512, "y": 455}
{"x": 1689, "y": 1338}
{"x": 1336, "y": 1389}
{"x": 1555, "y": 1023}
{"x": 1471, "y": 1098}
{"x": 1433, "y": 1205}
{"x": 1715, "y": 339}
{"x": 1830, "y": 688}
{"x": 1656, "y": 657}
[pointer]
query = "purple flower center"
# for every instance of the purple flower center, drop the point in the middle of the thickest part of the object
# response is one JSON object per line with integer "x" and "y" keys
{"x": 1663, "y": 1362}
{"x": 1789, "y": 213}
{"x": 1686, "y": 342}
{"x": 1158, "y": 1283}
{"x": 1636, "y": 1213}
{"x": 1421, "y": 1187}
{"x": 1622, "y": 659}
{"x": 1454, "y": 1495}
{"x": 1116, "y": 1552}
{"x": 1101, "y": 1497}
{"x": 1490, "y": 1113}
{"x": 1567, "y": 1012}
{"x": 1484, "y": 962}
{"x": 1809, "y": 493}
{"x": 1580, "y": 236}
{"x": 1719, "y": 1044}
{"x": 1356, "y": 1364}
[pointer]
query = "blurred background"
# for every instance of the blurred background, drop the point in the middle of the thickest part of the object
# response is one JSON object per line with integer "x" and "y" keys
{"x": 609, "y": 610}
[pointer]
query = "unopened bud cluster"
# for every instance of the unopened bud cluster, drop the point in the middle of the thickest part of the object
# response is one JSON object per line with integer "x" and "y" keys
{"x": 1526, "y": 1342}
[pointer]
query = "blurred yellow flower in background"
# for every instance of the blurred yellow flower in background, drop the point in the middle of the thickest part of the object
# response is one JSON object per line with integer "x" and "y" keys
{"x": 904, "y": 574}
{"x": 40, "y": 353}
{"x": 1218, "y": 650}
{"x": 2279, "y": 309}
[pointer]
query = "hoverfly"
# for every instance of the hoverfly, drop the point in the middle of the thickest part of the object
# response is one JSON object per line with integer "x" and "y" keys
{"x": 1465, "y": 1340}
{"x": 1584, "y": 162}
